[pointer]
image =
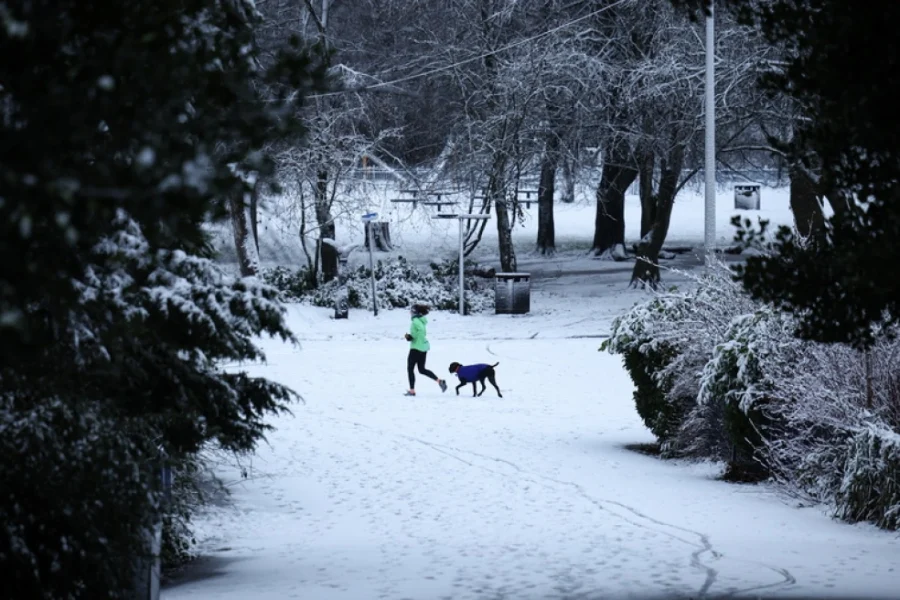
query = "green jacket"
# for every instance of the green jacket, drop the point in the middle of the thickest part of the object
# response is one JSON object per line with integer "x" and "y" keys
{"x": 417, "y": 331}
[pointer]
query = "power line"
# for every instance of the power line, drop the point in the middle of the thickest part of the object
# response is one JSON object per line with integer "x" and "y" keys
{"x": 472, "y": 59}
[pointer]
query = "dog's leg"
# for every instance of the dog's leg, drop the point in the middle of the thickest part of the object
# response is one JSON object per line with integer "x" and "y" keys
{"x": 494, "y": 383}
{"x": 474, "y": 388}
{"x": 483, "y": 387}
{"x": 461, "y": 384}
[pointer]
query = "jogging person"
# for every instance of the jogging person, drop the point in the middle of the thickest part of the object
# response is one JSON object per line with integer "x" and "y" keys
{"x": 418, "y": 348}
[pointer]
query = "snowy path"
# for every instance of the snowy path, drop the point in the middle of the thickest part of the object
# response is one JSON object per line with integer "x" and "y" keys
{"x": 366, "y": 494}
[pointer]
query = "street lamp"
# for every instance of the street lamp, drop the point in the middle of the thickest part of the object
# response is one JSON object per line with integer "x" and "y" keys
{"x": 710, "y": 168}
{"x": 462, "y": 277}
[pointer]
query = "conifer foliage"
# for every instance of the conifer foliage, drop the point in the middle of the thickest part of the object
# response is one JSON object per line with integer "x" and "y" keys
{"x": 124, "y": 127}
{"x": 841, "y": 70}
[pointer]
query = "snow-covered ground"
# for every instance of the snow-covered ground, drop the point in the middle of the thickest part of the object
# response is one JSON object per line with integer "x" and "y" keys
{"x": 417, "y": 235}
{"x": 363, "y": 493}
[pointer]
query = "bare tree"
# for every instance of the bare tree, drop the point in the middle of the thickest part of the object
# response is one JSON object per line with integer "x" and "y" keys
{"x": 492, "y": 96}
{"x": 242, "y": 224}
{"x": 338, "y": 134}
{"x": 320, "y": 177}
{"x": 568, "y": 77}
{"x": 546, "y": 234}
{"x": 496, "y": 99}
{"x": 653, "y": 116}
{"x": 618, "y": 173}
{"x": 521, "y": 104}
{"x": 647, "y": 62}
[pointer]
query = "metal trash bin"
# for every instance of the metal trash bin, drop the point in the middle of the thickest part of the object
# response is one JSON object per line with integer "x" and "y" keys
{"x": 512, "y": 293}
{"x": 746, "y": 197}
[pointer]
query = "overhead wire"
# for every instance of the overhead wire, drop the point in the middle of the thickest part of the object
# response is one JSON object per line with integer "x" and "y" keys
{"x": 464, "y": 61}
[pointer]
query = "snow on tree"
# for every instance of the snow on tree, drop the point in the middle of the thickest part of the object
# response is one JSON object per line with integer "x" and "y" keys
{"x": 719, "y": 375}
{"x": 665, "y": 343}
{"x": 122, "y": 125}
{"x": 650, "y": 115}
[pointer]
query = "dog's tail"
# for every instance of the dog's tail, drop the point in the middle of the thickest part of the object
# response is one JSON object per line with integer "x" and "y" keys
{"x": 495, "y": 364}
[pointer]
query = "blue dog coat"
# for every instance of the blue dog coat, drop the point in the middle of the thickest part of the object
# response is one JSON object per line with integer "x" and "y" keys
{"x": 471, "y": 373}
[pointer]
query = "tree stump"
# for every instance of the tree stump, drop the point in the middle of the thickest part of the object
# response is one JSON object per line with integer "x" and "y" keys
{"x": 381, "y": 234}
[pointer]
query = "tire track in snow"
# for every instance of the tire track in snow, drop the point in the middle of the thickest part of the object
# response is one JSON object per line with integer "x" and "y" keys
{"x": 701, "y": 544}
{"x": 702, "y": 548}
{"x": 705, "y": 545}
{"x": 538, "y": 479}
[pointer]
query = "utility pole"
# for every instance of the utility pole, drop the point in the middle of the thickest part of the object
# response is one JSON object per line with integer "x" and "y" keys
{"x": 709, "y": 237}
{"x": 462, "y": 254}
{"x": 368, "y": 220}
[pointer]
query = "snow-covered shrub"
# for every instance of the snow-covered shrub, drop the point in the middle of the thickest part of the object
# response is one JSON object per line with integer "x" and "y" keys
{"x": 646, "y": 358}
{"x": 736, "y": 371}
{"x": 177, "y": 538}
{"x": 293, "y": 284}
{"x": 826, "y": 396}
{"x": 665, "y": 343}
{"x": 193, "y": 487}
{"x": 718, "y": 375}
{"x": 870, "y": 487}
{"x": 75, "y": 502}
{"x": 398, "y": 284}
{"x": 447, "y": 269}
{"x": 789, "y": 406}
{"x": 812, "y": 410}
{"x": 738, "y": 380}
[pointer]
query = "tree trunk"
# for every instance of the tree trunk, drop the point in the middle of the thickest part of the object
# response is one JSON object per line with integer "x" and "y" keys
{"x": 473, "y": 234}
{"x": 648, "y": 200}
{"x": 504, "y": 233}
{"x": 248, "y": 259}
{"x": 254, "y": 213}
{"x": 568, "y": 177}
{"x": 497, "y": 194}
{"x": 546, "y": 235}
{"x": 840, "y": 203}
{"x": 609, "y": 225}
{"x": 326, "y": 227}
{"x": 646, "y": 269}
{"x": 805, "y": 202}
{"x": 312, "y": 263}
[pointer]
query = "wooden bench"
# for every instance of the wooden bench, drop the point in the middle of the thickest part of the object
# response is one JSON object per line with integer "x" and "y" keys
{"x": 413, "y": 201}
{"x": 417, "y": 196}
{"x": 528, "y": 199}
{"x": 439, "y": 203}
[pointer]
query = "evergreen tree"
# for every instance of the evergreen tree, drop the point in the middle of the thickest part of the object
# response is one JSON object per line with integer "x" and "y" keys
{"x": 123, "y": 130}
{"x": 842, "y": 69}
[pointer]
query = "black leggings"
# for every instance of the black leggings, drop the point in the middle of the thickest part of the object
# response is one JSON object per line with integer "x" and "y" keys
{"x": 416, "y": 358}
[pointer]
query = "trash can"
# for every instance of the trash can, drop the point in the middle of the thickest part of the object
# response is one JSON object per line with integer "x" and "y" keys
{"x": 746, "y": 197}
{"x": 512, "y": 293}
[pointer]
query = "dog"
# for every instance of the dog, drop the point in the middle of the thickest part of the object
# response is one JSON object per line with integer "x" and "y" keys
{"x": 475, "y": 374}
